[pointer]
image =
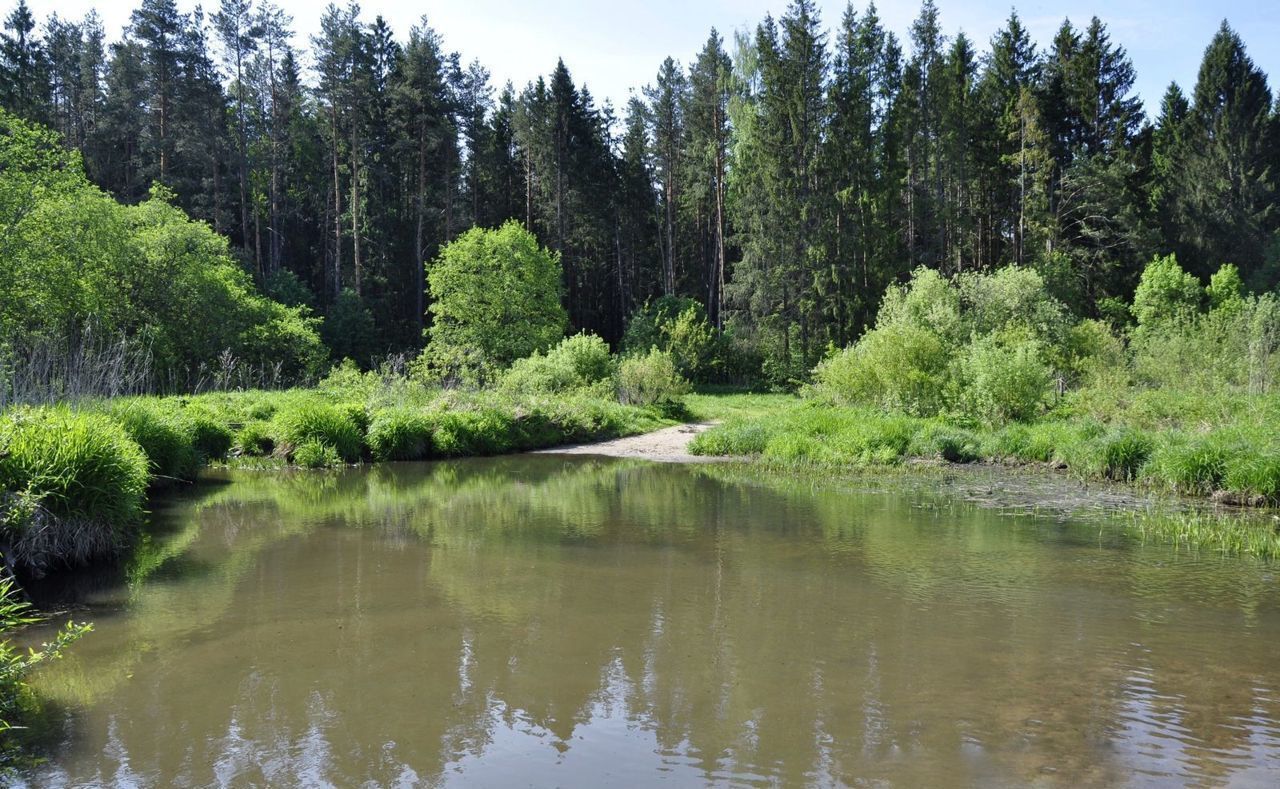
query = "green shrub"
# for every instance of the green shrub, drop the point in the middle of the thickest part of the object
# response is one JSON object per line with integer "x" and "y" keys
{"x": 495, "y": 298}
{"x": 1165, "y": 293}
{"x": 297, "y": 423}
{"x": 1004, "y": 378}
{"x": 680, "y": 326}
{"x": 316, "y": 454}
{"x": 164, "y": 435}
{"x": 577, "y": 362}
{"x": 897, "y": 367}
{"x": 650, "y": 379}
{"x": 400, "y": 434}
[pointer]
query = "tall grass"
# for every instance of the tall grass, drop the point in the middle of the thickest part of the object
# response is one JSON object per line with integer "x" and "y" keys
{"x": 72, "y": 485}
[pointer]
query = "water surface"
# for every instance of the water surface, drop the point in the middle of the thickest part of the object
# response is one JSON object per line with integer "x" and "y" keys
{"x": 582, "y": 622}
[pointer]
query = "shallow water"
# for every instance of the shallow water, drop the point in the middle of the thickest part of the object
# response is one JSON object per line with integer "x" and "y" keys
{"x": 581, "y": 622}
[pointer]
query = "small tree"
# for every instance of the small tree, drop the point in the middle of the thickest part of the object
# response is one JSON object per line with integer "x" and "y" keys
{"x": 496, "y": 298}
{"x": 1165, "y": 293}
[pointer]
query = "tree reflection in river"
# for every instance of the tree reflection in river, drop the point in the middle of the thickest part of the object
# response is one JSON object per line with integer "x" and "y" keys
{"x": 575, "y": 621}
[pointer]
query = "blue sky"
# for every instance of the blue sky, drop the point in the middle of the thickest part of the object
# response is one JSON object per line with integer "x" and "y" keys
{"x": 617, "y": 46}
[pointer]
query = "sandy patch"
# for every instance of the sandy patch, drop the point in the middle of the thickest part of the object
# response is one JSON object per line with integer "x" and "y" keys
{"x": 669, "y": 445}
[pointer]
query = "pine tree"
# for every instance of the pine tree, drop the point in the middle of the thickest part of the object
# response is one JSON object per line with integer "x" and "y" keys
{"x": 706, "y": 162}
{"x": 1225, "y": 181}
{"x": 24, "y": 66}
{"x": 667, "y": 99}
{"x": 239, "y": 30}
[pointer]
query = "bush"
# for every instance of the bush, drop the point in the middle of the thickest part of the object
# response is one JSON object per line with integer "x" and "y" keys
{"x": 650, "y": 379}
{"x": 896, "y": 367}
{"x": 299, "y": 423}
{"x": 1010, "y": 298}
{"x": 679, "y": 326}
{"x": 576, "y": 363}
{"x": 400, "y": 434}
{"x": 1004, "y": 378}
{"x": 166, "y": 437}
{"x": 1165, "y": 293}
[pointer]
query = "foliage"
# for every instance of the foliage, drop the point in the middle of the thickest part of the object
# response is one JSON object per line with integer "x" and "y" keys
{"x": 650, "y": 379}
{"x": 348, "y": 329}
{"x": 577, "y": 362}
{"x": 70, "y": 464}
{"x": 496, "y": 299}
{"x": 680, "y": 327}
{"x": 165, "y": 436}
{"x": 16, "y": 701}
{"x": 898, "y": 366}
{"x": 1004, "y": 378}
{"x": 316, "y": 424}
{"x": 316, "y": 454}
{"x": 148, "y": 271}
{"x": 400, "y": 434}
{"x": 1166, "y": 294}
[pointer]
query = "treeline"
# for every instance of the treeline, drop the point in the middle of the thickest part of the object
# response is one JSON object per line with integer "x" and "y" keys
{"x": 784, "y": 179}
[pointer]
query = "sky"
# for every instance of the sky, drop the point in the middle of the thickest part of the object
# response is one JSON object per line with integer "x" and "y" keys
{"x": 616, "y": 47}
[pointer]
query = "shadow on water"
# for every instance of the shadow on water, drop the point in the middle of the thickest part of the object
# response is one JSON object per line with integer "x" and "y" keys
{"x": 578, "y": 621}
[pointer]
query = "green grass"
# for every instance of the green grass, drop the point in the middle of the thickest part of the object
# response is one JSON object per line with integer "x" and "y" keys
{"x": 1238, "y": 461}
{"x": 706, "y": 407}
{"x": 301, "y": 423}
{"x": 165, "y": 435}
{"x": 77, "y": 475}
{"x": 91, "y": 468}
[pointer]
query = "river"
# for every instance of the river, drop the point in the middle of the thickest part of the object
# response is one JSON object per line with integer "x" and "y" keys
{"x": 576, "y": 621}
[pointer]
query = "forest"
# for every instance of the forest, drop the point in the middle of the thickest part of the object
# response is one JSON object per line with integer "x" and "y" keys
{"x": 784, "y": 178}
{"x": 835, "y": 250}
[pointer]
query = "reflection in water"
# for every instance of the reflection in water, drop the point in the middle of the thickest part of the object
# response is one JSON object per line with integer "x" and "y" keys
{"x": 545, "y": 620}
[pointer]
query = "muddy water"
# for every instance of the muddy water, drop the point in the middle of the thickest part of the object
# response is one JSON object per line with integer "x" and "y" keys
{"x": 577, "y": 622}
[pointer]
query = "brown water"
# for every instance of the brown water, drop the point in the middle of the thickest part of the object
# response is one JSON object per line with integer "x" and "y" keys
{"x": 576, "y": 622}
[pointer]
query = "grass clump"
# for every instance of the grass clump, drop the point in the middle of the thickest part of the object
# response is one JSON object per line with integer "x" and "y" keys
{"x": 71, "y": 485}
{"x": 254, "y": 439}
{"x": 400, "y": 434}
{"x": 165, "y": 436}
{"x": 301, "y": 422}
{"x": 316, "y": 454}
{"x": 210, "y": 436}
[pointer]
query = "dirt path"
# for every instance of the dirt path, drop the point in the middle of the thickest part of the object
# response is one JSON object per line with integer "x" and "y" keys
{"x": 669, "y": 445}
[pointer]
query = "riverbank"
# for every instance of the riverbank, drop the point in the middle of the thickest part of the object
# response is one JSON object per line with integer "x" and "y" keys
{"x": 75, "y": 480}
